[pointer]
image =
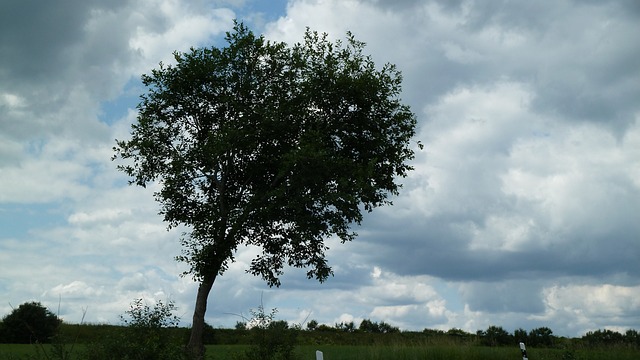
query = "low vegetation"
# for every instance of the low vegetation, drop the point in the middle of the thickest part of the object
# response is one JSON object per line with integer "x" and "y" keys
{"x": 151, "y": 332}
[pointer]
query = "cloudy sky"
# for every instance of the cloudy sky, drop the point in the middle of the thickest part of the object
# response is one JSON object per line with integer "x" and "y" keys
{"x": 522, "y": 210}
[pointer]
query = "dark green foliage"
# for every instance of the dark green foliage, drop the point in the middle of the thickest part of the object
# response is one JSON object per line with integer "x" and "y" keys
{"x": 542, "y": 336}
{"x": 495, "y": 336}
{"x": 369, "y": 326}
{"x": 325, "y": 328}
{"x": 30, "y": 323}
{"x": 604, "y": 338}
{"x": 264, "y": 144}
{"x": 632, "y": 337}
{"x": 312, "y": 325}
{"x": 387, "y": 329}
{"x": 208, "y": 335}
{"x": 346, "y": 326}
{"x": 433, "y": 332}
{"x": 520, "y": 335}
{"x": 458, "y": 333}
{"x": 271, "y": 339}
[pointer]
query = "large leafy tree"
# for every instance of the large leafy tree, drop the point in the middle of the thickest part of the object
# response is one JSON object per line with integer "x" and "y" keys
{"x": 261, "y": 143}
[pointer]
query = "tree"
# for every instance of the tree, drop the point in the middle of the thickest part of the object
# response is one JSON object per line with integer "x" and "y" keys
{"x": 369, "y": 326}
{"x": 520, "y": 335}
{"x": 264, "y": 144}
{"x": 632, "y": 337}
{"x": 312, "y": 325}
{"x": 31, "y": 322}
{"x": 346, "y": 326}
{"x": 388, "y": 328}
{"x": 457, "y": 333}
{"x": 495, "y": 335}
{"x": 542, "y": 336}
{"x": 603, "y": 337}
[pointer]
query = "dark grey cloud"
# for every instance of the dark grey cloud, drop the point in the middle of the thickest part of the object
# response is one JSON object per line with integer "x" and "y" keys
{"x": 580, "y": 55}
{"x": 57, "y": 65}
{"x": 438, "y": 247}
{"x": 36, "y": 37}
{"x": 519, "y": 295}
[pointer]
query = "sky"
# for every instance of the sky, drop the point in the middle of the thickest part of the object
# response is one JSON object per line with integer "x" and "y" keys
{"x": 522, "y": 210}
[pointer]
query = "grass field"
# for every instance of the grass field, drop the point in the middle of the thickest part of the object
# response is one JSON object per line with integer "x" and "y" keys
{"x": 447, "y": 352}
{"x": 379, "y": 352}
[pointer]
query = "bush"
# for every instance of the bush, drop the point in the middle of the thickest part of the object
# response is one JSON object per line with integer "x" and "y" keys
{"x": 29, "y": 323}
{"x": 146, "y": 336}
{"x": 272, "y": 340}
{"x": 495, "y": 336}
{"x": 542, "y": 337}
{"x": 603, "y": 338}
{"x": 369, "y": 326}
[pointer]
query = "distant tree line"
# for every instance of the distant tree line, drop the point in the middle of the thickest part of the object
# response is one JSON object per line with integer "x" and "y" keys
{"x": 496, "y": 336}
{"x": 366, "y": 326}
{"x": 492, "y": 336}
{"x": 31, "y": 322}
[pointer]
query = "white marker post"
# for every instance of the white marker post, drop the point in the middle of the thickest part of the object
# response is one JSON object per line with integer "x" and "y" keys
{"x": 524, "y": 351}
{"x": 319, "y": 355}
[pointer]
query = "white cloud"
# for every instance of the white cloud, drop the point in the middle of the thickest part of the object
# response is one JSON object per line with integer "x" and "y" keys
{"x": 12, "y": 101}
{"x": 75, "y": 289}
{"x": 584, "y": 307}
{"x": 107, "y": 215}
{"x": 186, "y": 26}
{"x": 576, "y": 178}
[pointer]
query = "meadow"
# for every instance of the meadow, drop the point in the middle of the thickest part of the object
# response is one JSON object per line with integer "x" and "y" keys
{"x": 372, "y": 352}
{"x": 433, "y": 352}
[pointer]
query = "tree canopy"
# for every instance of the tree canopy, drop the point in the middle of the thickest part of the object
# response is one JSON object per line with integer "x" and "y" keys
{"x": 261, "y": 143}
{"x": 29, "y": 323}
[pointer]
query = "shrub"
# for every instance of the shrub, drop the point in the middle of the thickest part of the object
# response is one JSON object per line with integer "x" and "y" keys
{"x": 495, "y": 336}
{"x": 145, "y": 337}
{"x": 542, "y": 336}
{"x": 369, "y": 326}
{"x": 29, "y": 323}
{"x": 312, "y": 325}
{"x": 272, "y": 340}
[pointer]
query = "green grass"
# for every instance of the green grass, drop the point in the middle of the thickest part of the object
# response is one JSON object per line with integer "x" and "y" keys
{"x": 402, "y": 352}
{"x": 462, "y": 352}
{"x": 21, "y": 351}
{"x": 432, "y": 352}
{"x": 384, "y": 352}
{"x": 7, "y": 350}
{"x": 215, "y": 352}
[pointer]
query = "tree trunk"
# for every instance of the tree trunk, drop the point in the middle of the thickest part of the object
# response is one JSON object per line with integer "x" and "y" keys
{"x": 196, "y": 345}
